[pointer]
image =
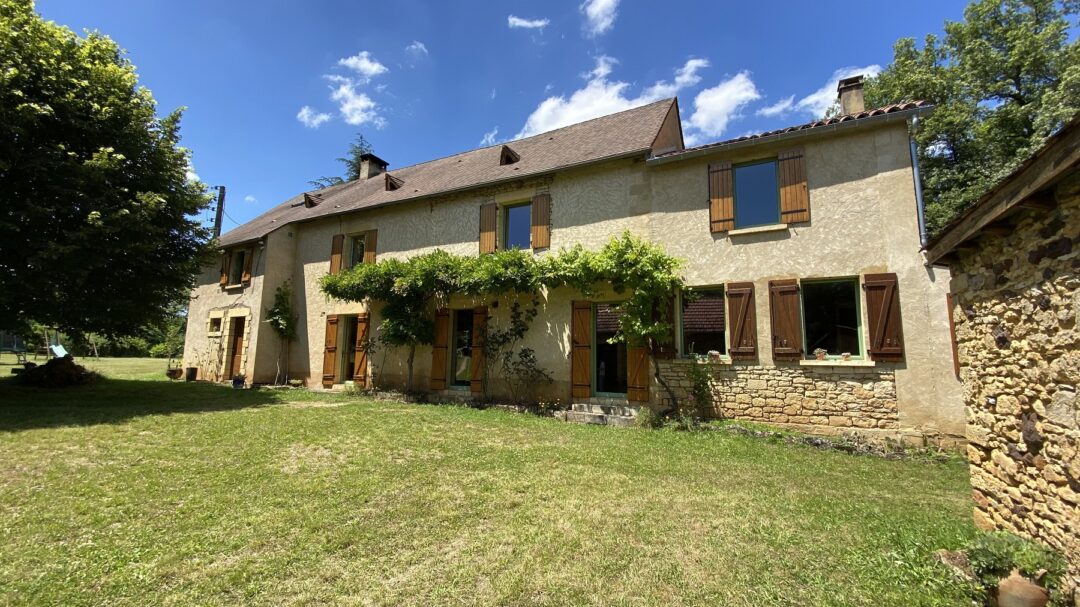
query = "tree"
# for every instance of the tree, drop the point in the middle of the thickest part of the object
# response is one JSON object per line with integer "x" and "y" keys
{"x": 351, "y": 160}
{"x": 1002, "y": 81}
{"x": 282, "y": 321}
{"x": 98, "y": 231}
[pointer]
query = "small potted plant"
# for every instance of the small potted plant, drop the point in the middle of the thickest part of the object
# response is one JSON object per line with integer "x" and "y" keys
{"x": 845, "y": 356}
{"x": 820, "y": 353}
{"x": 238, "y": 382}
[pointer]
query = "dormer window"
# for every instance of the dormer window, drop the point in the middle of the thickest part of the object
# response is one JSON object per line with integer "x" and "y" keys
{"x": 311, "y": 200}
{"x": 392, "y": 183}
{"x": 508, "y": 156}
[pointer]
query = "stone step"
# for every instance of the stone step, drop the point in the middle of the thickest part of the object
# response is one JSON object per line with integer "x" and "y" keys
{"x": 602, "y": 419}
{"x": 622, "y": 410}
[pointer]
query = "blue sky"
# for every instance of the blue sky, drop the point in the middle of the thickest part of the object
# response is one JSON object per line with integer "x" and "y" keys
{"x": 275, "y": 91}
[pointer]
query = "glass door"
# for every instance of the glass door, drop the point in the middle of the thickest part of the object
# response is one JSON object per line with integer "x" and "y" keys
{"x": 609, "y": 364}
{"x": 461, "y": 356}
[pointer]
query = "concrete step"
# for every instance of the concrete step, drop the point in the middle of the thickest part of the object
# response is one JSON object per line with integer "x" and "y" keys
{"x": 602, "y": 419}
{"x": 622, "y": 410}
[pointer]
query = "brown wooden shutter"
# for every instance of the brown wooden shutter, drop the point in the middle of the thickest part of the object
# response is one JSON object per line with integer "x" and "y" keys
{"x": 721, "y": 198}
{"x": 489, "y": 214}
{"x": 225, "y": 260}
{"x": 794, "y": 196}
{"x": 371, "y": 244}
{"x": 883, "y": 309}
{"x": 336, "y": 245}
{"x": 581, "y": 349}
{"x": 249, "y": 255}
{"x": 637, "y": 375}
{"x": 665, "y": 350}
{"x": 785, "y": 312}
{"x": 742, "y": 320}
{"x": 439, "y": 349}
{"x": 330, "y": 354}
{"x": 541, "y": 221}
{"x": 476, "y": 382}
{"x": 363, "y": 322}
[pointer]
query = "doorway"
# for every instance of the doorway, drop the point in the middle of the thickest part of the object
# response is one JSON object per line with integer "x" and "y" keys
{"x": 236, "y": 347}
{"x": 461, "y": 357}
{"x": 347, "y": 358}
{"x": 609, "y": 360}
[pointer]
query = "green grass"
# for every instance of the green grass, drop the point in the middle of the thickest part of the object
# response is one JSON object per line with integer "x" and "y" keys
{"x": 136, "y": 492}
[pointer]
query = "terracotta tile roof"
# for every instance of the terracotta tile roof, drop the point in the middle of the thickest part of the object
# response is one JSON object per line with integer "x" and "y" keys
{"x": 616, "y": 135}
{"x": 878, "y": 111}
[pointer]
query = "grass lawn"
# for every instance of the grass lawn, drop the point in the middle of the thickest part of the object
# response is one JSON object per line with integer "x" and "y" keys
{"x": 137, "y": 492}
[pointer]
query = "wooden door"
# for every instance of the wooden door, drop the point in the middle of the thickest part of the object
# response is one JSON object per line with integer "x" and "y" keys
{"x": 236, "y": 347}
{"x": 360, "y": 361}
{"x": 581, "y": 349}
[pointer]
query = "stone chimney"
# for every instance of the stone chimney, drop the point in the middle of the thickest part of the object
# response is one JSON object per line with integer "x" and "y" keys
{"x": 851, "y": 95}
{"x": 371, "y": 166}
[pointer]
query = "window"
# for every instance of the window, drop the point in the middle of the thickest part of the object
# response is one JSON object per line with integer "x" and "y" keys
{"x": 236, "y": 267}
{"x": 215, "y": 325}
{"x": 757, "y": 195}
{"x": 831, "y": 316}
{"x": 703, "y": 322}
{"x": 356, "y": 250}
{"x": 461, "y": 357}
{"x": 517, "y": 225}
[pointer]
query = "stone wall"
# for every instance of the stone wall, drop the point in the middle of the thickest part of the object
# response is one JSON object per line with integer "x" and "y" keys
{"x": 1016, "y": 310}
{"x": 823, "y": 399}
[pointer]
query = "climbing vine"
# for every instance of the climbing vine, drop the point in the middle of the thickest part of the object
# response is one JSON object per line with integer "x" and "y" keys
{"x": 282, "y": 321}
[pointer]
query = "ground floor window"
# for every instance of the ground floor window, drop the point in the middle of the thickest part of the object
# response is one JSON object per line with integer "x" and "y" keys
{"x": 609, "y": 359}
{"x": 461, "y": 356}
{"x": 703, "y": 321}
{"x": 831, "y": 316}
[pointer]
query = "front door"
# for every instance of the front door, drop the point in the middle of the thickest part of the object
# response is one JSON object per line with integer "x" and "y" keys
{"x": 236, "y": 347}
{"x": 461, "y": 356}
{"x": 347, "y": 356}
{"x": 609, "y": 358}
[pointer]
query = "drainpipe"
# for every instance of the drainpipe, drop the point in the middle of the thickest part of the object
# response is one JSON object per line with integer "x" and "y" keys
{"x": 919, "y": 204}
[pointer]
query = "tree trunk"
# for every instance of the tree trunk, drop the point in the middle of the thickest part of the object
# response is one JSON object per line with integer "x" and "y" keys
{"x": 408, "y": 381}
{"x": 660, "y": 380}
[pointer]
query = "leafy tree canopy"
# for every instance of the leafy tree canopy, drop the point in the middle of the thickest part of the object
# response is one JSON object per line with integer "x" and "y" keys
{"x": 351, "y": 160}
{"x": 1002, "y": 81}
{"x": 98, "y": 231}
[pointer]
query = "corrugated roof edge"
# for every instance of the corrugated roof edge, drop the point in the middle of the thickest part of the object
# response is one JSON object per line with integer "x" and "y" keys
{"x": 888, "y": 113}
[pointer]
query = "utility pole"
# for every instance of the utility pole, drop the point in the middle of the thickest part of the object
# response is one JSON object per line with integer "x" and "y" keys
{"x": 220, "y": 210}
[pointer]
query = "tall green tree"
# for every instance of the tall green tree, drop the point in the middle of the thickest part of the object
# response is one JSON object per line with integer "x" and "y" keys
{"x": 351, "y": 160}
{"x": 99, "y": 229}
{"x": 1003, "y": 80}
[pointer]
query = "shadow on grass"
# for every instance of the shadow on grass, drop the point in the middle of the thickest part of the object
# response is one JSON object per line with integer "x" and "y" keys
{"x": 116, "y": 400}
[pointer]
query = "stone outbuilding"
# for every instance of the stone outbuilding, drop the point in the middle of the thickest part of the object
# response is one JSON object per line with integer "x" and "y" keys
{"x": 1015, "y": 302}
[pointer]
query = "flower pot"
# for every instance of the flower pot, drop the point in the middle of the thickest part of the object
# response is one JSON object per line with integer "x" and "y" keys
{"x": 1018, "y": 591}
{"x": 174, "y": 373}
{"x": 238, "y": 383}
{"x": 819, "y": 355}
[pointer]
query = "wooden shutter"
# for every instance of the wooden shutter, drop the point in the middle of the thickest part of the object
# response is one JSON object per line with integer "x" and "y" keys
{"x": 721, "y": 198}
{"x": 249, "y": 255}
{"x": 371, "y": 244}
{"x": 489, "y": 214}
{"x": 541, "y": 221}
{"x": 794, "y": 196}
{"x": 637, "y": 375}
{"x": 665, "y": 350}
{"x": 476, "y": 382}
{"x": 363, "y": 322}
{"x": 225, "y": 260}
{"x": 785, "y": 312}
{"x": 330, "y": 354}
{"x": 336, "y": 245}
{"x": 742, "y": 320}
{"x": 883, "y": 309}
{"x": 439, "y": 349}
{"x": 581, "y": 349}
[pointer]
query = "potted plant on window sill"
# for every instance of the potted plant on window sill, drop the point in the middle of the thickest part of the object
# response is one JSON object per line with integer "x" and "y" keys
{"x": 238, "y": 382}
{"x": 820, "y": 353}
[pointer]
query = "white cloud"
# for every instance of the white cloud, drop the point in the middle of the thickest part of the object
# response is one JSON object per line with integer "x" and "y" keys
{"x": 493, "y": 92}
{"x": 777, "y": 109}
{"x": 489, "y": 137}
{"x": 417, "y": 49}
{"x": 599, "y": 15}
{"x": 601, "y": 96}
{"x": 356, "y": 107}
{"x": 532, "y": 24}
{"x": 311, "y": 118}
{"x": 250, "y": 198}
{"x": 362, "y": 63}
{"x": 715, "y": 107}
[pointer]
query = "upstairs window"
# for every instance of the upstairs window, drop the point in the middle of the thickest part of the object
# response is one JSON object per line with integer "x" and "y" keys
{"x": 356, "y": 250}
{"x": 831, "y": 316}
{"x": 703, "y": 322}
{"x": 517, "y": 226}
{"x": 237, "y": 263}
{"x": 757, "y": 194}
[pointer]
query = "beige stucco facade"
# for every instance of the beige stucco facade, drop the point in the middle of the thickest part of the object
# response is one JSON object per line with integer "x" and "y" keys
{"x": 864, "y": 220}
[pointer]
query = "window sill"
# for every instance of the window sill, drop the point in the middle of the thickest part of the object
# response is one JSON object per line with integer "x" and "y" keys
{"x": 774, "y": 227}
{"x": 234, "y": 287}
{"x": 837, "y": 363}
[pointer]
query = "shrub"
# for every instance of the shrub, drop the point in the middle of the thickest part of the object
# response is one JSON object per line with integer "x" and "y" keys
{"x": 57, "y": 373}
{"x": 647, "y": 418}
{"x": 994, "y": 555}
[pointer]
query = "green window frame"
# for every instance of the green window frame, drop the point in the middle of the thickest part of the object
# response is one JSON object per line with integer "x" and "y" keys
{"x": 860, "y": 340}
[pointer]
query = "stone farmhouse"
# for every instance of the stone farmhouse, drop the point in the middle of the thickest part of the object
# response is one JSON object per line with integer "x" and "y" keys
{"x": 798, "y": 240}
{"x": 1015, "y": 257}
